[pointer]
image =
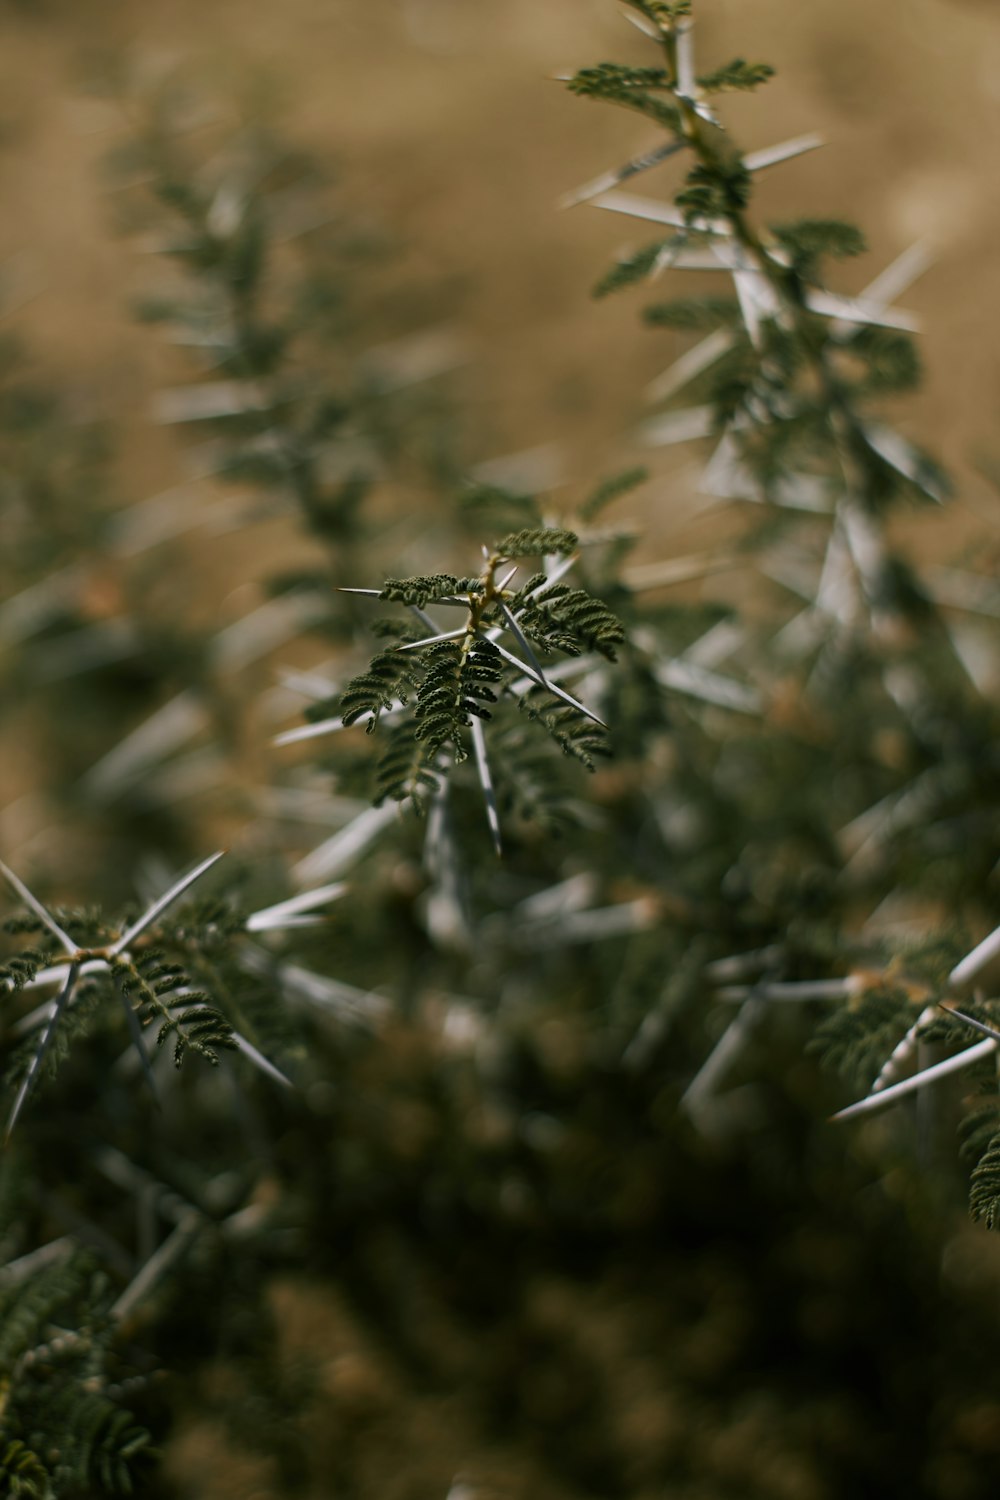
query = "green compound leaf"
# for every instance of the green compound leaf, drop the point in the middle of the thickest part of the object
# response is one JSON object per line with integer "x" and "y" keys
{"x": 573, "y": 621}
{"x": 387, "y": 681}
{"x": 420, "y": 590}
{"x": 984, "y": 1191}
{"x": 737, "y": 75}
{"x": 537, "y": 542}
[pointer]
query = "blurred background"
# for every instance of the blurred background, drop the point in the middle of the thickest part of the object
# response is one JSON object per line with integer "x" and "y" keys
{"x": 443, "y": 126}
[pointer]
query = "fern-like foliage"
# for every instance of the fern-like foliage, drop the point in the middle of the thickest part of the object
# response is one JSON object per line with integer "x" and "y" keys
{"x": 788, "y": 397}
{"x": 640, "y": 89}
{"x": 460, "y": 677}
{"x": 534, "y": 790}
{"x": 402, "y": 771}
{"x": 427, "y": 589}
{"x": 978, "y": 1129}
{"x": 139, "y": 968}
{"x": 23, "y": 1476}
{"x": 856, "y": 1039}
{"x": 637, "y": 266}
{"x": 61, "y": 1430}
{"x": 21, "y": 968}
{"x": 569, "y": 620}
{"x": 218, "y": 222}
{"x": 534, "y": 542}
{"x": 808, "y": 241}
{"x": 457, "y": 682}
{"x": 984, "y": 1189}
{"x": 694, "y": 314}
{"x": 387, "y": 680}
{"x": 575, "y": 736}
{"x": 737, "y": 76}
{"x": 159, "y": 989}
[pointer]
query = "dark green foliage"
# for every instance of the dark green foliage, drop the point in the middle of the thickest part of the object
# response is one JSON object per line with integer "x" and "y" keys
{"x": 452, "y": 682}
{"x": 608, "y": 79}
{"x": 575, "y": 736}
{"x": 635, "y": 267}
{"x": 152, "y": 984}
{"x": 856, "y": 1039}
{"x": 387, "y": 681}
{"x": 535, "y": 542}
{"x": 458, "y": 681}
{"x": 402, "y": 771}
{"x": 60, "y": 1430}
{"x": 106, "y": 1444}
{"x": 481, "y": 671}
{"x": 20, "y": 970}
{"x": 952, "y": 1030}
{"x": 30, "y": 1308}
{"x": 79, "y": 1020}
{"x": 159, "y": 989}
{"x": 807, "y": 241}
{"x": 715, "y": 189}
{"x": 984, "y": 1191}
{"x": 22, "y": 1474}
{"x": 737, "y": 76}
{"x": 533, "y": 787}
{"x": 421, "y": 591}
{"x": 635, "y": 88}
{"x": 569, "y": 620}
{"x": 890, "y": 361}
{"x": 977, "y": 1130}
{"x": 694, "y": 315}
{"x": 501, "y": 1188}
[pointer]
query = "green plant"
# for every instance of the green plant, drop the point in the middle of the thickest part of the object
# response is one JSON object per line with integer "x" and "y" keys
{"x": 522, "y": 1065}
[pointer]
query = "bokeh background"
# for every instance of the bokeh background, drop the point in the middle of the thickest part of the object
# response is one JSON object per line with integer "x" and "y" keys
{"x": 445, "y": 133}
{"x": 443, "y": 124}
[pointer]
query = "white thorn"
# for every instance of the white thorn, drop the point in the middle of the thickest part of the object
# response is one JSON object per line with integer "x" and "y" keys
{"x": 276, "y": 916}
{"x": 857, "y": 310}
{"x": 36, "y": 906}
{"x": 610, "y": 180}
{"x": 486, "y": 782}
{"x": 339, "y": 852}
{"x": 432, "y": 640}
{"x": 684, "y": 370}
{"x": 919, "y": 1080}
{"x": 657, "y": 212}
{"x": 260, "y": 1061}
{"x": 34, "y": 1067}
{"x": 687, "y": 84}
{"x": 549, "y": 685}
{"x": 899, "y": 276}
{"x": 973, "y": 963}
{"x": 160, "y": 906}
{"x": 772, "y": 155}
